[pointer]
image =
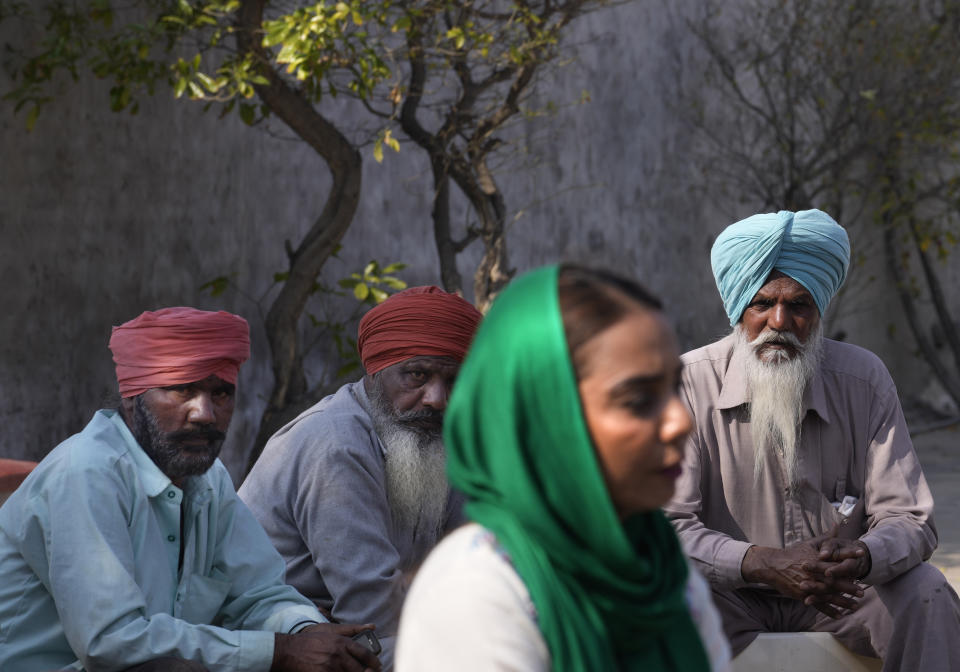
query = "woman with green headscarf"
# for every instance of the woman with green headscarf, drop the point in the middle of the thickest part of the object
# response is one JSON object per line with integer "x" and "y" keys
{"x": 566, "y": 434}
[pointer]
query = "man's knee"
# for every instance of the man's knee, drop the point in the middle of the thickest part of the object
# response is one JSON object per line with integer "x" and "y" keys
{"x": 923, "y": 587}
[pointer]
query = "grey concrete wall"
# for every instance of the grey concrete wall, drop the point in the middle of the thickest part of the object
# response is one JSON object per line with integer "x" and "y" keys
{"x": 103, "y": 216}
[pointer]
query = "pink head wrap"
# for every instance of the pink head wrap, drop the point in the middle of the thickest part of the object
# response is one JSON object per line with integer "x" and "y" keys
{"x": 416, "y": 321}
{"x": 173, "y": 346}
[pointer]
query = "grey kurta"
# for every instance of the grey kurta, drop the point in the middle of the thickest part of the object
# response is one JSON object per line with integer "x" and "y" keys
{"x": 319, "y": 491}
{"x": 854, "y": 441}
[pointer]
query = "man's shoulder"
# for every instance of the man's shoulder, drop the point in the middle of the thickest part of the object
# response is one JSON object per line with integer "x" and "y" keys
{"x": 708, "y": 362}
{"x": 98, "y": 446}
{"x": 335, "y": 425}
{"x": 849, "y": 359}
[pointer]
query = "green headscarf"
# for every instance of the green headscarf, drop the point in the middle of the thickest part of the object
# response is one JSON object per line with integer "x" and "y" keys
{"x": 609, "y": 594}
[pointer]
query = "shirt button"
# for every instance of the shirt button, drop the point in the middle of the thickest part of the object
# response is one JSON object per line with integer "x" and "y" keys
{"x": 171, "y": 494}
{"x": 171, "y": 538}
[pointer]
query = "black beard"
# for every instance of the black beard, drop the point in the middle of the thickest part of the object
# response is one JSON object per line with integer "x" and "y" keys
{"x": 165, "y": 449}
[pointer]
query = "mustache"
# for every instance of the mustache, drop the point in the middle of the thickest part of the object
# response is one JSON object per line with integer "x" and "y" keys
{"x": 778, "y": 337}
{"x": 427, "y": 418}
{"x": 208, "y": 434}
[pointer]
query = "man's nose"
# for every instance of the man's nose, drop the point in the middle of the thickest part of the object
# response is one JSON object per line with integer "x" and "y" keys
{"x": 435, "y": 394}
{"x": 779, "y": 318}
{"x": 201, "y": 410}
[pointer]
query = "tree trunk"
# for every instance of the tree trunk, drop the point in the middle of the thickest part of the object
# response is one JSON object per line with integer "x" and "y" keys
{"x": 927, "y": 351}
{"x": 307, "y": 260}
{"x": 443, "y": 237}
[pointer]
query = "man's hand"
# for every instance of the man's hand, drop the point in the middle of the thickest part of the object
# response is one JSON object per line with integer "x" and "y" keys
{"x": 816, "y": 571}
{"x": 325, "y": 647}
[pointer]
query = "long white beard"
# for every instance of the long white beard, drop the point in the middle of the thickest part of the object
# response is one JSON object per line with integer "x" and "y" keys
{"x": 415, "y": 468}
{"x": 776, "y": 387}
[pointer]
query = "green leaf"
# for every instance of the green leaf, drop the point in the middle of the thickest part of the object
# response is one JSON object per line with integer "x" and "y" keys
{"x": 346, "y": 283}
{"x": 378, "y": 294}
{"x": 217, "y": 286}
{"x": 248, "y": 113}
{"x": 347, "y": 368}
{"x": 361, "y": 291}
{"x": 32, "y": 117}
{"x": 281, "y": 276}
{"x": 378, "y": 151}
{"x": 394, "y": 267}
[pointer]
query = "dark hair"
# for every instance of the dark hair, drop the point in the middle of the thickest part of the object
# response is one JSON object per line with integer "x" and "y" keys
{"x": 592, "y": 300}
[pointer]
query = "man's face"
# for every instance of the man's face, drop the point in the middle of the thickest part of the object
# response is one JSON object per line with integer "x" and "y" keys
{"x": 182, "y": 427}
{"x": 781, "y": 309}
{"x": 417, "y": 390}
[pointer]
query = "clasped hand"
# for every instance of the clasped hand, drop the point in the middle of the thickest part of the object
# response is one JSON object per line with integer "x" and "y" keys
{"x": 327, "y": 646}
{"x": 822, "y": 572}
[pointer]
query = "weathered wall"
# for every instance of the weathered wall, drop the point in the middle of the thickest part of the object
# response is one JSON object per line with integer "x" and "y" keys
{"x": 103, "y": 216}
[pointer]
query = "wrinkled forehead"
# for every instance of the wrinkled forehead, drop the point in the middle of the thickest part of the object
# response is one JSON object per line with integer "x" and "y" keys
{"x": 779, "y": 284}
{"x": 431, "y": 363}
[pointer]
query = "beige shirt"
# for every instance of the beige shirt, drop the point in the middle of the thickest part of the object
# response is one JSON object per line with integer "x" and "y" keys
{"x": 854, "y": 441}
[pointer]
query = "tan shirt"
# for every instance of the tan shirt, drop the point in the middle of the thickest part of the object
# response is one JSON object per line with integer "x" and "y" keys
{"x": 854, "y": 441}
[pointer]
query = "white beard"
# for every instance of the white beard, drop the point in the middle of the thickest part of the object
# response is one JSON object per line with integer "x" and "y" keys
{"x": 776, "y": 385}
{"x": 416, "y": 470}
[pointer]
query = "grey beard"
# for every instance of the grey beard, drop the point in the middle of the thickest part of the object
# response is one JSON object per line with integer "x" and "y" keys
{"x": 776, "y": 389}
{"x": 416, "y": 468}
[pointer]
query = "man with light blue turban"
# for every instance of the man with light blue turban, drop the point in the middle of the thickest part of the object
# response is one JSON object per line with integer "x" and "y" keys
{"x": 802, "y": 499}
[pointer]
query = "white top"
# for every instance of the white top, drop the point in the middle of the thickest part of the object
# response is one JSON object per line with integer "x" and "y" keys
{"x": 468, "y": 610}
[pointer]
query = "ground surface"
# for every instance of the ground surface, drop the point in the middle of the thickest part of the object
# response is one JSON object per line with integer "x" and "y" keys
{"x": 940, "y": 455}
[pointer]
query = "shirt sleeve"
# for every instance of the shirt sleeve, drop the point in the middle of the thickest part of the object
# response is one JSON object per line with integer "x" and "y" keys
{"x": 716, "y": 555}
{"x": 897, "y": 500}
{"x": 93, "y": 575}
{"x": 258, "y": 598}
{"x": 342, "y": 512}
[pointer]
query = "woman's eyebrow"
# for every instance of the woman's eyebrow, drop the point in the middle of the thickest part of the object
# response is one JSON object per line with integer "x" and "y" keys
{"x": 631, "y": 384}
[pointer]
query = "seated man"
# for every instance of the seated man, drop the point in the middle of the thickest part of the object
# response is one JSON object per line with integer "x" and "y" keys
{"x": 127, "y": 547}
{"x": 353, "y": 492}
{"x": 802, "y": 499}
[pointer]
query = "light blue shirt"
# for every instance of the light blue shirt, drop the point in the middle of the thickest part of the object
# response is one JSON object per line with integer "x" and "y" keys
{"x": 89, "y": 554}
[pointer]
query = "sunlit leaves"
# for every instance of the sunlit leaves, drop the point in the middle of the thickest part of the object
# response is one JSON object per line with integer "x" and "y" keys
{"x": 386, "y": 138}
{"x": 374, "y": 284}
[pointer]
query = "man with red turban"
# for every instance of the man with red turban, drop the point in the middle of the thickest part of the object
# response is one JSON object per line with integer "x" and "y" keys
{"x": 353, "y": 492}
{"x": 127, "y": 547}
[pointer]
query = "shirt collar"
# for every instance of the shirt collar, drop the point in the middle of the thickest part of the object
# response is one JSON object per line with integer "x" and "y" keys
{"x": 734, "y": 392}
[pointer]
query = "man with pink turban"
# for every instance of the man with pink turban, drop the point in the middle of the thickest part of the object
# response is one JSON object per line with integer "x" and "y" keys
{"x": 353, "y": 492}
{"x": 127, "y": 547}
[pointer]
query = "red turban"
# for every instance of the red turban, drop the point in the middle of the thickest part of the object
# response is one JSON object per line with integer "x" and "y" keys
{"x": 173, "y": 346}
{"x": 416, "y": 321}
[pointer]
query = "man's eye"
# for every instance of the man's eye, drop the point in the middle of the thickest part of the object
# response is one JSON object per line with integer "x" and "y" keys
{"x": 417, "y": 376}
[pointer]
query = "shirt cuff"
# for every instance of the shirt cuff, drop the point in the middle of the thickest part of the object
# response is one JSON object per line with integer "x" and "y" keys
{"x": 727, "y": 563}
{"x": 289, "y": 617}
{"x": 302, "y": 625}
{"x": 882, "y": 566}
{"x": 256, "y": 650}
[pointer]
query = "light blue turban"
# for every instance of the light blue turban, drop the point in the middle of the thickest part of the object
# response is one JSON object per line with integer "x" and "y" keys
{"x": 808, "y": 246}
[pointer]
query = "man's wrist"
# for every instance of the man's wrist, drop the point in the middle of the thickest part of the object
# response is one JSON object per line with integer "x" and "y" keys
{"x": 280, "y": 641}
{"x": 752, "y": 564}
{"x": 867, "y": 560}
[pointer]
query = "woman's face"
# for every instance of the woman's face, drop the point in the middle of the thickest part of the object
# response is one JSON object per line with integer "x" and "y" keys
{"x": 629, "y": 379}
